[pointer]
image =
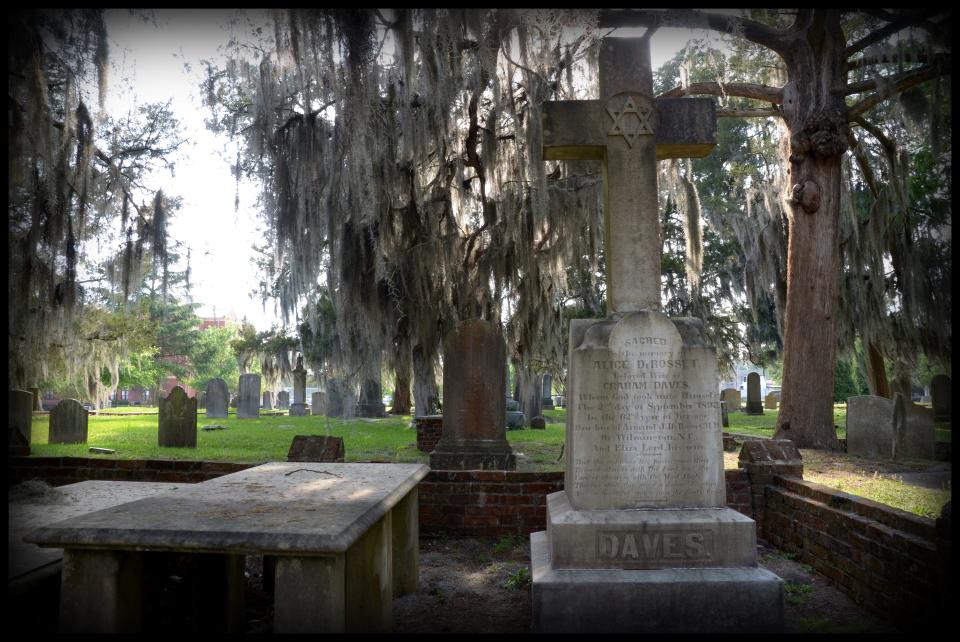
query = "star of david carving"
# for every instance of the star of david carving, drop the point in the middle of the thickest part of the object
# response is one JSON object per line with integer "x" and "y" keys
{"x": 620, "y": 127}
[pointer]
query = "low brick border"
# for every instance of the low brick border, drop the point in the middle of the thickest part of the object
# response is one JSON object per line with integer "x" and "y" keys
{"x": 58, "y": 471}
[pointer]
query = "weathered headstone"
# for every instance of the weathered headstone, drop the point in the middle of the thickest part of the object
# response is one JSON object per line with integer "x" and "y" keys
{"x": 732, "y": 398}
{"x": 217, "y": 396}
{"x": 512, "y": 404}
{"x": 248, "y": 396}
{"x": 940, "y": 396}
{"x": 37, "y": 403}
{"x": 267, "y": 400}
{"x": 538, "y": 423}
{"x": 474, "y": 434}
{"x": 299, "y": 406}
{"x": 770, "y": 401}
{"x": 20, "y": 413}
{"x": 68, "y": 423}
{"x": 547, "y": 390}
{"x": 283, "y": 400}
{"x": 724, "y": 418}
{"x": 316, "y": 448}
{"x": 334, "y": 400}
{"x": 515, "y": 420}
{"x": 640, "y": 540}
{"x": 371, "y": 400}
{"x": 177, "y": 420}
{"x": 754, "y": 403}
{"x": 873, "y": 424}
{"x": 318, "y": 403}
{"x": 917, "y": 438}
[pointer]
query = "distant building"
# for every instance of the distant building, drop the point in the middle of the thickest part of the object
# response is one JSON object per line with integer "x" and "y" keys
{"x": 739, "y": 381}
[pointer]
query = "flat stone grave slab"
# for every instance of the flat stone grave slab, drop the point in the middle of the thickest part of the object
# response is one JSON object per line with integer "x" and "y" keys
{"x": 345, "y": 538}
{"x": 33, "y": 505}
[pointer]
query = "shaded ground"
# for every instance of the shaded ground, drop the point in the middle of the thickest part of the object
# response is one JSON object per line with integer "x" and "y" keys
{"x": 482, "y": 585}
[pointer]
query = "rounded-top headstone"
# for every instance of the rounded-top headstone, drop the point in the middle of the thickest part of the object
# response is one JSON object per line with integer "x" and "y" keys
{"x": 217, "y": 399}
{"x": 69, "y": 421}
{"x": 474, "y": 406}
{"x": 754, "y": 403}
{"x": 177, "y": 420}
{"x": 248, "y": 396}
{"x": 538, "y": 423}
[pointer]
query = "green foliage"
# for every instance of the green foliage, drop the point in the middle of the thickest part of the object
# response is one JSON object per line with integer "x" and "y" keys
{"x": 213, "y": 357}
{"x": 519, "y": 579}
{"x": 848, "y": 382}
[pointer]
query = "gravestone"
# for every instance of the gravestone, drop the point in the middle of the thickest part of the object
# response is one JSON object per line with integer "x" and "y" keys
{"x": 371, "y": 400}
{"x": 299, "y": 406}
{"x": 283, "y": 400}
{"x": 68, "y": 423}
{"x": 474, "y": 435}
{"x": 538, "y": 423}
{"x": 873, "y": 424}
{"x": 217, "y": 396}
{"x": 37, "y": 403}
{"x": 233, "y": 401}
{"x": 267, "y": 400}
{"x": 724, "y": 418}
{"x": 515, "y": 420}
{"x": 334, "y": 400}
{"x": 754, "y": 403}
{"x": 732, "y": 398}
{"x": 940, "y": 397}
{"x": 20, "y": 413}
{"x": 547, "y": 389}
{"x": 640, "y": 539}
{"x": 917, "y": 438}
{"x": 512, "y": 404}
{"x": 316, "y": 448}
{"x": 770, "y": 401}
{"x": 177, "y": 420}
{"x": 318, "y": 403}
{"x": 248, "y": 396}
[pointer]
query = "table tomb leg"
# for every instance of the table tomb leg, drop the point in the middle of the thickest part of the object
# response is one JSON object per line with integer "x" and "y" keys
{"x": 369, "y": 580}
{"x": 406, "y": 544}
{"x": 100, "y": 591}
{"x": 309, "y": 594}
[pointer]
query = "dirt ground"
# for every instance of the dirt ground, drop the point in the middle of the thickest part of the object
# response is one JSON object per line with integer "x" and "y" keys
{"x": 482, "y": 585}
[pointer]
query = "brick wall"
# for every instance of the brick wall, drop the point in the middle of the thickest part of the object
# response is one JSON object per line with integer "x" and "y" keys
{"x": 429, "y": 431}
{"x": 58, "y": 471}
{"x": 500, "y": 502}
{"x": 884, "y": 558}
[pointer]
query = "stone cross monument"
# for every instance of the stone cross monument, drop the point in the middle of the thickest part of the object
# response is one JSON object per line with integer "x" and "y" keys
{"x": 640, "y": 539}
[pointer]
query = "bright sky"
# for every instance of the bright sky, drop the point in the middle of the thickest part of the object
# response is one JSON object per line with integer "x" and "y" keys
{"x": 152, "y": 56}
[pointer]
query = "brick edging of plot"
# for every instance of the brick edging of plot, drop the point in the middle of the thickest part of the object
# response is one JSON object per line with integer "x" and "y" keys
{"x": 58, "y": 471}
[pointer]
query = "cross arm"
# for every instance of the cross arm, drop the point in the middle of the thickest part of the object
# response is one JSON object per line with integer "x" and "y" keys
{"x": 577, "y": 129}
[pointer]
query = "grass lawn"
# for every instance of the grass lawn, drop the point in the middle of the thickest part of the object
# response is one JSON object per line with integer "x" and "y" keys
{"x": 392, "y": 439}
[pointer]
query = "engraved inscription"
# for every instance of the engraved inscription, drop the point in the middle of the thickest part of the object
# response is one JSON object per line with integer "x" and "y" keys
{"x": 644, "y": 421}
{"x": 647, "y": 548}
{"x": 631, "y": 120}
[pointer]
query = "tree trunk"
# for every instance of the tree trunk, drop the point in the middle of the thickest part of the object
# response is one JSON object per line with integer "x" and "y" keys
{"x": 817, "y": 121}
{"x": 426, "y": 396}
{"x": 876, "y": 372}
{"x": 401, "y": 391}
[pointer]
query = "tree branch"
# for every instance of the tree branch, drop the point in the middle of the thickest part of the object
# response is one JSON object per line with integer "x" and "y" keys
{"x": 747, "y": 113}
{"x": 900, "y": 84}
{"x": 750, "y": 29}
{"x": 741, "y": 89}
{"x": 907, "y": 57}
{"x": 902, "y": 23}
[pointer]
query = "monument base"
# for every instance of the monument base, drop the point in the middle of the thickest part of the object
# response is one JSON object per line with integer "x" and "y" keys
{"x": 374, "y": 410}
{"x": 298, "y": 410}
{"x": 475, "y": 454}
{"x": 677, "y": 600}
{"x": 754, "y": 408}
